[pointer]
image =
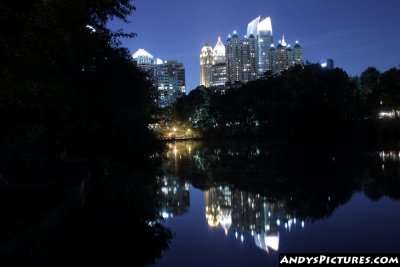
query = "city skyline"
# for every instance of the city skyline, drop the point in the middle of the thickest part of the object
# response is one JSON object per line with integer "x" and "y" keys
{"x": 356, "y": 35}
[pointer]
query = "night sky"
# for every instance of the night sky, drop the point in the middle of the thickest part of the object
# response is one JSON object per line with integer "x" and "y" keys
{"x": 355, "y": 33}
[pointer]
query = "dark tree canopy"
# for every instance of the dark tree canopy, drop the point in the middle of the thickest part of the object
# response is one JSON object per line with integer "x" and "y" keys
{"x": 68, "y": 89}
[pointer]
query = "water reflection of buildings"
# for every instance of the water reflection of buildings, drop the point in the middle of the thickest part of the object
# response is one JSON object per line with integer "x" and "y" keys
{"x": 247, "y": 212}
{"x": 390, "y": 156}
{"x": 175, "y": 198}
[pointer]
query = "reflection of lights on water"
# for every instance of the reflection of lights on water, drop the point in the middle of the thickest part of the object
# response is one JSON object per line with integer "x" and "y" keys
{"x": 391, "y": 155}
{"x": 242, "y": 238}
{"x": 252, "y": 233}
{"x": 302, "y": 224}
{"x": 278, "y": 222}
{"x": 236, "y": 235}
{"x": 187, "y": 186}
{"x": 383, "y": 166}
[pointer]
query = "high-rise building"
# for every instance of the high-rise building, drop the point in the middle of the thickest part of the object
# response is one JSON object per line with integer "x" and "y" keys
{"x": 262, "y": 31}
{"x": 241, "y": 59}
{"x": 233, "y": 58}
{"x": 283, "y": 56}
{"x": 219, "y": 74}
{"x": 145, "y": 62}
{"x": 171, "y": 82}
{"x": 206, "y": 63}
{"x": 247, "y": 59}
{"x": 219, "y": 52}
{"x": 168, "y": 77}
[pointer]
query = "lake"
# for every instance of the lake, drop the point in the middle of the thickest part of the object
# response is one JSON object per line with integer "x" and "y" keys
{"x": 242, "y": 204}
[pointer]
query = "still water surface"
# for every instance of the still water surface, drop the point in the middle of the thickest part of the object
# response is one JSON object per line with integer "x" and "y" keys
{"x": 241, "y": 205}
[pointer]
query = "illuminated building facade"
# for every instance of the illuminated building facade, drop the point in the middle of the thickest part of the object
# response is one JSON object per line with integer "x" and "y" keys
{"x": 247, "y": 59}
{"x": 145, "y": 62}
{"x": 171, "y": 82}
{"x": 206, "y": 63}
{"x": 168, "y": 77}
{"x": 241, "y": 59}
{"x": 213, "y": 65}
{"x": 262, "y": 30}
{"x": 284, "y": 56}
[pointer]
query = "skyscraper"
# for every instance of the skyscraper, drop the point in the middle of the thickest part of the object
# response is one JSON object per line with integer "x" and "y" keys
{"x": 233, "y": 58}
{"x": 206, "y": 63}
{"x": 145, "y": 62}
{"x": 247, "y": 59}
{"x": 241, "y": 59}
{"x": 171, "y": 82}
{"x": 219, "y": 52}
{"x": 262, "y": 31}
{"x": 219, "y": 76}
{"x": 283, "y": 56}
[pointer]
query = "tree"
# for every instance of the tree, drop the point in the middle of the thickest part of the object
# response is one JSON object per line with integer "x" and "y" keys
{"x": 369, "y": 80}
{"x": 68, "y": 88}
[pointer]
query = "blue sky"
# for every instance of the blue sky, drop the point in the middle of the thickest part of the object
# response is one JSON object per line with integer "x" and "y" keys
{"x": 355, "y": 33}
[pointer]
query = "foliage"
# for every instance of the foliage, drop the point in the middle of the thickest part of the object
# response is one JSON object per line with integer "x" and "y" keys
{"x": 67, "y": 88}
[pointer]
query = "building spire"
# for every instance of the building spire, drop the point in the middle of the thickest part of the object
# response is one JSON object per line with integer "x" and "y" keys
{"x": 283, "y": 40}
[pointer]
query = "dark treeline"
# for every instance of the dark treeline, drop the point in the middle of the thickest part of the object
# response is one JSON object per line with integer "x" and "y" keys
{"x": 69, "y": 92}
{"x": 305, "y": 104}
{"x": 68, "y": 89}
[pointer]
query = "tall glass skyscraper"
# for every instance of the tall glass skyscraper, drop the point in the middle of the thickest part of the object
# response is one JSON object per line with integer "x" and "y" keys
{"x": 262, "y": 31}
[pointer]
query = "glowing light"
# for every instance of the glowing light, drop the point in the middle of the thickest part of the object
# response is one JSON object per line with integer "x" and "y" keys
{"x": 242, "y": 238}
{"x": 159, "y": 61}
{"x": 387, "y": 114}
{"x": 278, "y": 222}
{"x": 302, "y": 224}
{"x": 272, "y": 242}
{"x": 324, "y": 65}
{"x": 265, "y": 25}
{"x": 165, "y": 215}
{"x": 142, "y": 53}
{"x": 283, "y": 40}
{"x": 91, "y": 28}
